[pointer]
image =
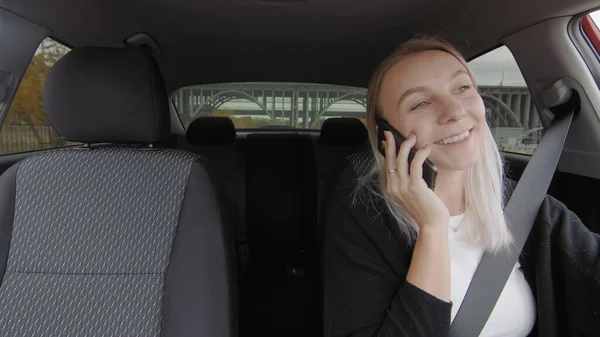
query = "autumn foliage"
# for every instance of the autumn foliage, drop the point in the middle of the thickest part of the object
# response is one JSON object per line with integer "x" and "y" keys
{"x": 26, "y": 127}
{"x": 27, "y": 107}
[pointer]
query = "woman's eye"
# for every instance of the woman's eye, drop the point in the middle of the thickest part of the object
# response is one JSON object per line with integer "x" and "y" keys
{"x": 420, "y": 106}
{"x": 464, "y": 88}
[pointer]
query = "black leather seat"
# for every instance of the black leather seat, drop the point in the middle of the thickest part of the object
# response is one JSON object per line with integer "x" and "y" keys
{"x": 119, "y": 238}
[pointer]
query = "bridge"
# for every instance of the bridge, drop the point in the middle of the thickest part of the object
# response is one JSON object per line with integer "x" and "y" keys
{"x": 308, "y": 105}
{"x": 286, "y": 103}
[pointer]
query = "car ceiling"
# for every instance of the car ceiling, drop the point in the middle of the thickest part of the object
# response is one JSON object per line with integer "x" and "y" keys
{"x": 317, "y": 41}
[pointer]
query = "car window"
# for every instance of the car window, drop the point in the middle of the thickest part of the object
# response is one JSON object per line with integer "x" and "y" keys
{"x": 252, "y": 105}
{"x": 591, "y": 33}
{"x": 26, "y": 126}
{"x": 512, "y": 116}
{"x": 595, "y": 17}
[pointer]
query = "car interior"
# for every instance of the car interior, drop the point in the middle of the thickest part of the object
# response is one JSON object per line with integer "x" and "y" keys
{"x": 150, "y": 208}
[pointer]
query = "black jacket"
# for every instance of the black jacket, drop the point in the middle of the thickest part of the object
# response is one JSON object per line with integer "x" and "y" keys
{"x": 366, "y": 261}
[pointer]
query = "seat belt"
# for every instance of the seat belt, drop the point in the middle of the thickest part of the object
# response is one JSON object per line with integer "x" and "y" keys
{"x": 521, "y": 211}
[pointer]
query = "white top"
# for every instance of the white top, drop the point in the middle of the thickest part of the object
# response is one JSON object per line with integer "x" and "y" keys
{"x": 514, "y": 313}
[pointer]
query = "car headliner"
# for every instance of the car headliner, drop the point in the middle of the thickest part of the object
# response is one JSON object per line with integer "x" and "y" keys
{"x": 317, "y": 41}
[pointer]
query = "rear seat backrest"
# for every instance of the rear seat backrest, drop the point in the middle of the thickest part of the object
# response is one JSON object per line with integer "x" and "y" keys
{"x": 215, "y": 139}
{"x": 285, "y": 176}
{"x": 339, "y": 138}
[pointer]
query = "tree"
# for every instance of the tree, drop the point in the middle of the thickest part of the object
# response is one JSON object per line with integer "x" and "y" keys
{"x": 27, "y": 111}
{"x": 27, "y": 106}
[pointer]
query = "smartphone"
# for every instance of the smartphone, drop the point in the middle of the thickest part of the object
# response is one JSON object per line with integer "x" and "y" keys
{"x": 429, "y": 168}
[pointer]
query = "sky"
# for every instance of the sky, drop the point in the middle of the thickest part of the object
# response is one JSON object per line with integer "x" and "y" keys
{"x": 497, "y": 68}
{"x": 596, "y": 17}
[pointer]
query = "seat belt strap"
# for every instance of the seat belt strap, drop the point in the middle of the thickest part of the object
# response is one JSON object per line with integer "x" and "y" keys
{"x": 521, "y": 211}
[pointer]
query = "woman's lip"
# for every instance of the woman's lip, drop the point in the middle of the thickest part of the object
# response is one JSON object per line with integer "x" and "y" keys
{"x": 469, "y": 131}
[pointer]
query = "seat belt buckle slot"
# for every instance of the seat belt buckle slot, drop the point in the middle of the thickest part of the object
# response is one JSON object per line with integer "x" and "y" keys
{"x": 295, "y": 272}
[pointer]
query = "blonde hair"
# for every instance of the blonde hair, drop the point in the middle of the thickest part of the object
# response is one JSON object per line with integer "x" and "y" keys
{"x": 484, "y": 191}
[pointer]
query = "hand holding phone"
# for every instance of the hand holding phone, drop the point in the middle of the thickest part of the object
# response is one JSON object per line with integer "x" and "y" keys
{"x": 429, "y": 168}
{"x": 405, "y": 183}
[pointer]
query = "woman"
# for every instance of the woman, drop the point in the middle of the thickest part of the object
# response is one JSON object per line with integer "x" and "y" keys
{"x": 399, "y": 256}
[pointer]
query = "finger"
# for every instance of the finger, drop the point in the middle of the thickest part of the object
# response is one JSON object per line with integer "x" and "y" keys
{"x": 416, "y": 167}
{"x": 390, "y": 155}
{"x": 390, "y": 161}
{"x": 402, "y": 159}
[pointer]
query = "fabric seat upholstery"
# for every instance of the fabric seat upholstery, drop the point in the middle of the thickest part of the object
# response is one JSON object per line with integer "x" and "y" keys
{"x": 121, "y": 237}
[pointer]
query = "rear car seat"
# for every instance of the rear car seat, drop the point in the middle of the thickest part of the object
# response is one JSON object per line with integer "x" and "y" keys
{"x": 285, "y": 175}
{"x": 339, "y": 138}
{"x": 215, "y": 139}
{"x": 121, "y": 237}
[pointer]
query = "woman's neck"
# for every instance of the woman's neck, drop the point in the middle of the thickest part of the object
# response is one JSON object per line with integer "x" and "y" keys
{"x": 450, "y": 188}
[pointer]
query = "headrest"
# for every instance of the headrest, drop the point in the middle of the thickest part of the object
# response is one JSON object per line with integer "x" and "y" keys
{"x": 211, "y": 131}
{"x": 114, "y": 95}
{"x": 343, "y": 132}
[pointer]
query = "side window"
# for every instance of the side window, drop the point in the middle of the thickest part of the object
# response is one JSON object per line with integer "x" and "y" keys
{"x": 513, "y": 117}
{"x": 26, "y": 127}
{"x": 589, "y": 28}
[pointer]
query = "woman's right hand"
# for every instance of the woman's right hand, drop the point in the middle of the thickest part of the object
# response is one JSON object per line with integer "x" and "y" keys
{"x": 411, "y": 190}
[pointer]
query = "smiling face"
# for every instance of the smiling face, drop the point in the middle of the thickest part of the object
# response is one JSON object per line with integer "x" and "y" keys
{"x": 431, "y": 94}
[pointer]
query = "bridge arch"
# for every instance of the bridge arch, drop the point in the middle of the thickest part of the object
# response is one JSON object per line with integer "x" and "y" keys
{"x": 354, "y": 96}
{"x": 225, "y": 96}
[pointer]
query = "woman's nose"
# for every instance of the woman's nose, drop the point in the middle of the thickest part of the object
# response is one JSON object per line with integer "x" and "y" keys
{"x": 451, "y": 111}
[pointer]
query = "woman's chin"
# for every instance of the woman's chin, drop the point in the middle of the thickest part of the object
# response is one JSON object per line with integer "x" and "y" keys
{"x": 456, "y": 164}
